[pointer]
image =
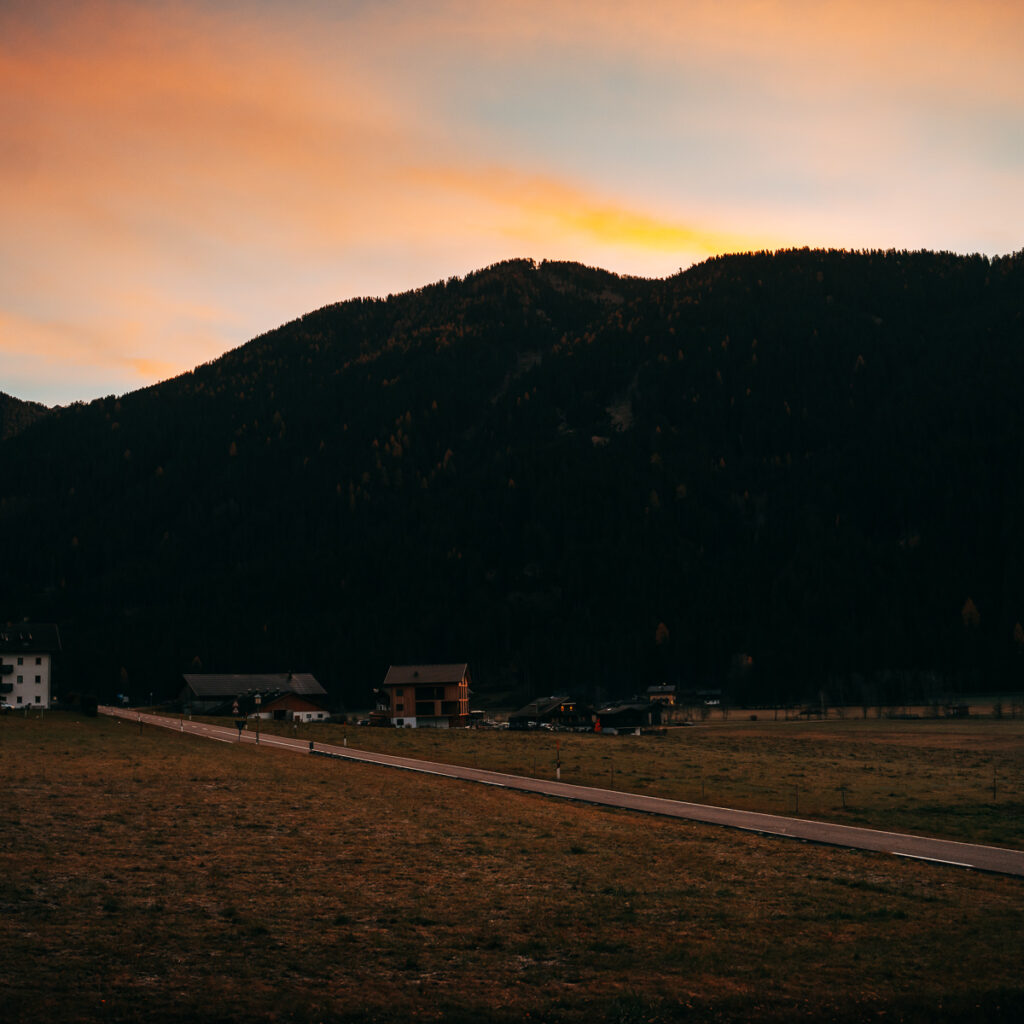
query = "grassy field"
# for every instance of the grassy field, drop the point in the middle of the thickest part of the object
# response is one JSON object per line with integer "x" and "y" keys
{"x": 929, "y": 776}
{"x": 149, "y": 876}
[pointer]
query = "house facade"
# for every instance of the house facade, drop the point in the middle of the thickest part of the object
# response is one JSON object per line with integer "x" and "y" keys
{"x": 26, "y": 663}
{"x": 664, "y": 694}
{"x": 291, "y": 707}
{"x": 427, "y": 696}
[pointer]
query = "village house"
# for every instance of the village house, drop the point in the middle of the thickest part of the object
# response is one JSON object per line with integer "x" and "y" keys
{"x": 283, "y": 696}
{"x": 627, "y": 717}
{"x": 556, "y": 712}
{"x": 293, "y": 707}
{"x": 26, "y": 660}
{"x": 426, "y": 696}
{"x": 664, "y": 694}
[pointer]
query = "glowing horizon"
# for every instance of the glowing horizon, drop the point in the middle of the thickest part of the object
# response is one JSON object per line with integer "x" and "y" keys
{"x": 178, "y": 178}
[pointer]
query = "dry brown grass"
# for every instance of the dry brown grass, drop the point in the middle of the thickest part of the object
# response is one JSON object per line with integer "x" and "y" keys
{"x": 157, "y": 877}
{"x": 931, "y": 777}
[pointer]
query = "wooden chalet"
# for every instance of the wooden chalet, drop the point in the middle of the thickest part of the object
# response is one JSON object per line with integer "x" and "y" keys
{"x": 426, "y": 696}
{"x": 556, "y": 712}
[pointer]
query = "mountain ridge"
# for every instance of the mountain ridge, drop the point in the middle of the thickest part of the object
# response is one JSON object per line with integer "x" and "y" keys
{"x": 808, "y": 459}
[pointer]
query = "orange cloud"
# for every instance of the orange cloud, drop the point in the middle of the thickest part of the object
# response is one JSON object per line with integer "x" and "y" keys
{"x": 147, "y": 136}
{"x": 154, "y": 369}
{"x": 540, "y": 209}
{"x": 175, "y": 177}
{"x": 130, "y": 119}
{"x": 177, "y": 127}
{"x": 62, "y": 343}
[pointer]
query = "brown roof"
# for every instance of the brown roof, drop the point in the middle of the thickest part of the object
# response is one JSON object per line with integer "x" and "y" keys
{"x": 292, "y": 702}
{"x": 413, "y": 675}
{"x": 212, "y": 685}
{"x": 545, "y": 706}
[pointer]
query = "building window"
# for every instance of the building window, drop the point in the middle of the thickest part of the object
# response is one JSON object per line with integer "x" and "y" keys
{"x": 37, "y": 699}
{"x": 39, "y": 679}
{"x": 400, "y": 707}
{"x": 39, "y": 661}
{"x": 21, "y": 679}
{"x": 399, "y": 692}
{"x": 21, "y": 661}
{"x": 19, "y": 698}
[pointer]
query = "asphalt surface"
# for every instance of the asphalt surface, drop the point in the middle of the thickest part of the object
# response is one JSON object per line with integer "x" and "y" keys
{"x": 897, "y": 844}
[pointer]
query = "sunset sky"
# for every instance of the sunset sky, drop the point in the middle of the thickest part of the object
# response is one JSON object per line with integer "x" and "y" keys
{"x": 177, "y": 177}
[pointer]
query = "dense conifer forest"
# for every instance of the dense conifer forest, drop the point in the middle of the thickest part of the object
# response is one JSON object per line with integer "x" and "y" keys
{"x": 16, "y": 415}
{"x": 778, "y": 474}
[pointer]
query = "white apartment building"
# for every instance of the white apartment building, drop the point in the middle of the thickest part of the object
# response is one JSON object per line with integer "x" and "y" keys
{"x": 26, "y": 663}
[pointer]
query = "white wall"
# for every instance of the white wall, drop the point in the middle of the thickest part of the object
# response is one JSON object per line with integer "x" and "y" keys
{"x": 309, "y": 716}
{"x": 31, "y": 680}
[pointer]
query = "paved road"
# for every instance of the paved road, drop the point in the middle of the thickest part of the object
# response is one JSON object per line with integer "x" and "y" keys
{"x": 940, "y": 851}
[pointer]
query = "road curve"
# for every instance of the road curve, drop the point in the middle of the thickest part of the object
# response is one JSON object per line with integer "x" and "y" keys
{"x": 939, "y": 851}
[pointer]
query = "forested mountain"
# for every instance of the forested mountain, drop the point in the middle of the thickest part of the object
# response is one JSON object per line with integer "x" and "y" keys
{"x": 774, "y": 473}
{"x": 16, "y": 415}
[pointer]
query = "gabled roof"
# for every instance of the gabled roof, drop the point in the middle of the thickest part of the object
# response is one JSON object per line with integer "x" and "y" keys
{"x": 29, "y": 636}
{"x": 623, "y": 706}
{"x": 212, "y": 685}
{"x": 543, "y": 706}
{"x": 292, "y": 702}
{"x": 416, "y": 675}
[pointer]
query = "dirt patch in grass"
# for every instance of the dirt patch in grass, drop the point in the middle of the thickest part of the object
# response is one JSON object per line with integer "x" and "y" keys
{"x": 158, "y": 877}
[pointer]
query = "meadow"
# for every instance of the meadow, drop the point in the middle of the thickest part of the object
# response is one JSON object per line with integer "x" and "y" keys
{"x": 150, "y": 876}
{"x": 959, "y": 779}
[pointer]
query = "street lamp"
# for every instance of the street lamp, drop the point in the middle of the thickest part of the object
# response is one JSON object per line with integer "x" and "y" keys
{"x": 259, "y": 700}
